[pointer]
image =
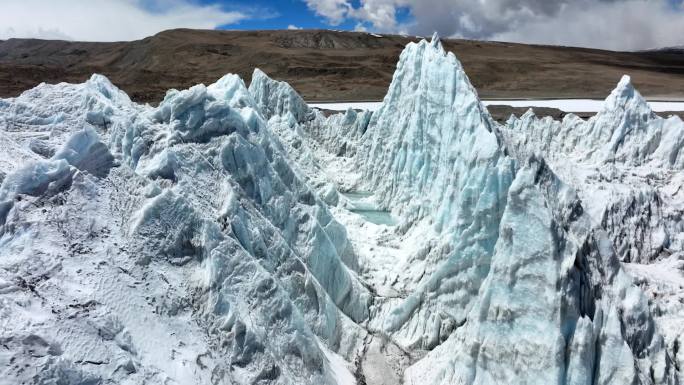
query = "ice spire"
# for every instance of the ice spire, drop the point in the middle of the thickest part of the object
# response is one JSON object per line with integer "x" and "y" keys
{"x": 625, "y": 83}
{"x": 433, "y": 139}
{"x": 277, "y": 98}
{"x": 626, "y": 97}
{"x": 430, "y": 96}
{"x": 436, "y": 41}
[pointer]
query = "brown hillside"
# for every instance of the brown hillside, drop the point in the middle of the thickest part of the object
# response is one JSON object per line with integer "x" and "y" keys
{"x": 328, "y": 65}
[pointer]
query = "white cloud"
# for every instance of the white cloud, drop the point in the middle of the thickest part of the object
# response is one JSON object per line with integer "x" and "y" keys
{"x": 381, "y": 14}
{"x": 335, "y": 11}
{"x": 106, "y": 20}
{"x": 360, "y": 28}
{"x": 613, "y": 24}
{"x": 293, "y": 27}
{"x": 624, "y": 25}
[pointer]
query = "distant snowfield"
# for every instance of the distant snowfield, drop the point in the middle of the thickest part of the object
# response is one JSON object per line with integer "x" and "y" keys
{"x": 343, "y": 106}
{"x": 567, "y": 105}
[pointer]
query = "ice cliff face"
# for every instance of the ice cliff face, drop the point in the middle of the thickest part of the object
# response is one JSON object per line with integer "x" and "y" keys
{"x": 555, "y": 307}
{"x": 431, "y": 155}
{"x": 431, "y": 126}
{"x": 234, "y": 235}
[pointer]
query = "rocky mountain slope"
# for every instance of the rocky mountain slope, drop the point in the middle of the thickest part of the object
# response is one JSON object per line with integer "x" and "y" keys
{"x": 329, "y": 65}
{"x": 234, "y": 235}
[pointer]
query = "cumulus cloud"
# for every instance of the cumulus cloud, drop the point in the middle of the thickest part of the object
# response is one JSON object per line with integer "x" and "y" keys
{"x": 627, "y": 25}
{"x": 381, "y": 14}
{"x": 107, "y": 20}
{"x": 613, "y": 24}
{"x": 335, "y": 11}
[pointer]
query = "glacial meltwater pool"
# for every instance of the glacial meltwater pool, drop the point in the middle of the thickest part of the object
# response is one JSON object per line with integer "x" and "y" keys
{"x": 376, "y": 216}
{"x": 363, "y": 204}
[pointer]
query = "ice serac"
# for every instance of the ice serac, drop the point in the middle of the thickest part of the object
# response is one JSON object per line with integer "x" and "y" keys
{"x": 625, "y": 162}
{"x": 195, "y": 242}
{"x": 556, "y": 307}
{"x": 521, "y": 287}
{"x": 431, "y": 156}
{"x": 631, "y": 133}
{"x": 291, "y": 120}
{"x": 431, "y": 138}
{"x": 249, "y": 155}
{"x": 341, "y": 133}
{"x": 625, "y": 131}
{"x": 276, "y": 98}
{"x": 100, "y": 102}
{"x": 193, "y": 250}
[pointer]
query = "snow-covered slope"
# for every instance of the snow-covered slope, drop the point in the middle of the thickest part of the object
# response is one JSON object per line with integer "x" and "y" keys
{"x": 234, "y": 235}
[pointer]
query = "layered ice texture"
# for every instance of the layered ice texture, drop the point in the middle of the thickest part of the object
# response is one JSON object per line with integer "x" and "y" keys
{"x": 626, "y": 163}
{"x": 235, "y": 235}
{"x": 203, "y": 257}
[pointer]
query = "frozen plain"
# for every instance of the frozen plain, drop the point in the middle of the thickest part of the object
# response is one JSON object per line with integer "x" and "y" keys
{"x": 234, "y": 235}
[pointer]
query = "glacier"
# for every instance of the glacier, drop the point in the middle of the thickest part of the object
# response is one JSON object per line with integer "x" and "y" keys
{"x": 236, "y": 235}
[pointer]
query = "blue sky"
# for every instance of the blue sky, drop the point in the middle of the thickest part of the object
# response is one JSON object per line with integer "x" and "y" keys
{"x": 278, "y": 15}
{"x": 611, "y": 24}
{"x": 274, "y": 14}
